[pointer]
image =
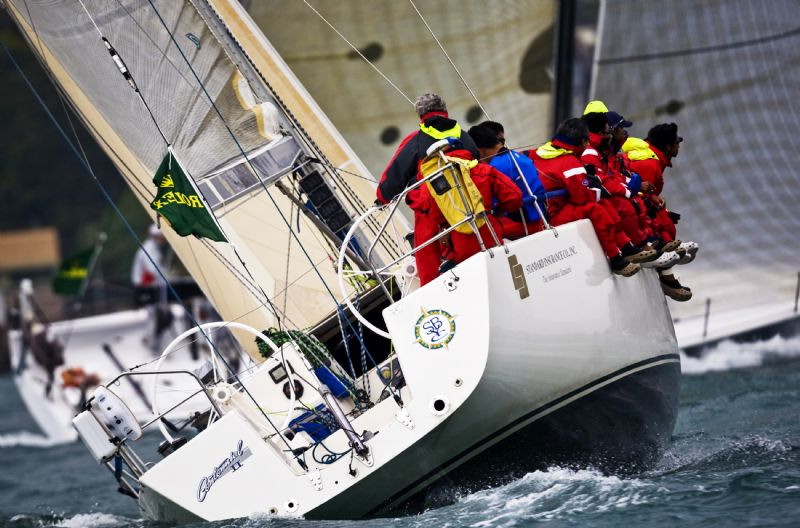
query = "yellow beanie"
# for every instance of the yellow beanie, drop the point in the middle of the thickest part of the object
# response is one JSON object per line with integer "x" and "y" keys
{"x": 595, "y": 106}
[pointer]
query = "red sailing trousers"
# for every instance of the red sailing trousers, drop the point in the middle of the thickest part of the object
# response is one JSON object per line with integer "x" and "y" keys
{"x": 629, "y": 219}
{"x": 620, "y": 237}
{"x": 602, "y": 222}
{"x": 466, "y": 245}
{"x": 429, "y": 257}
{"x": 663, "y": 225}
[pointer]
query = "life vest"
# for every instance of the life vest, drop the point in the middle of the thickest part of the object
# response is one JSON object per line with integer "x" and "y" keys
{"x": 638, "y": 149}
{"x": 550, "y": 151}
{"x": 437, "y": 134}
{"x": 449, "y": 200}
{"x": 504, "y": 163}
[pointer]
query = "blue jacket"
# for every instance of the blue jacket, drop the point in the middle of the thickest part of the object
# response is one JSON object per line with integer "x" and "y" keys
{"x": 505, "y": 164}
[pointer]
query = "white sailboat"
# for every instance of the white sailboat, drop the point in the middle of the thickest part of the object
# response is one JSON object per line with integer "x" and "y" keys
{"x": 523, "y": 355}
{"x": 94, "y": 350}
{"x": 731, "y": 87}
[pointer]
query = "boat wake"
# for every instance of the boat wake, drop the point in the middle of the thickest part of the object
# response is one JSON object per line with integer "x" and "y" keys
{"x": 541, "y": 496}
{"x": 92, "y": 520}
{"x": 729, "y": 355}
{"x": 80, "y": 520}
{"x": 26, "y": 439}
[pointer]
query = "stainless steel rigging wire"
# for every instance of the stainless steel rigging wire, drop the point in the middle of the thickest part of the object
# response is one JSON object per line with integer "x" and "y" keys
{"x": 393, "y": 85}
{"x": 453, "y": 64}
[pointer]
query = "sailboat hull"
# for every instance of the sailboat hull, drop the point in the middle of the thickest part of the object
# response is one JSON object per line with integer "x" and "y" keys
{"x": 619, "y": 423}
{"x": 512, "y": 362}
{"x": 584, "y": 370}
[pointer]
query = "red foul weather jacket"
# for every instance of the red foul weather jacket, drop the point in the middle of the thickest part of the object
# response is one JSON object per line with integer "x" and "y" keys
{"x": 560, "y": 168}
{"x": 649, "y": 162}
{"x": 592, "y": 154}
{"x": 613, "y": 181}
{"x": 650, "y": 169}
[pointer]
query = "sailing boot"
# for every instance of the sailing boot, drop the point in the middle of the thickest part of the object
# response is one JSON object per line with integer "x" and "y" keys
{"x": 639, "y": 254}
{"x": 690, "y": 251}
{"x": 672, "y": 287}
{"x": 446, "y": 265}
{"x": 667, "y": 259}
{"x": 621, "y": 266}
{"x": 671, "y": 245}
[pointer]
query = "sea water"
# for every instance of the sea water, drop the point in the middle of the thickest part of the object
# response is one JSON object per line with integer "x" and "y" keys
{"x": 734, "y": 461}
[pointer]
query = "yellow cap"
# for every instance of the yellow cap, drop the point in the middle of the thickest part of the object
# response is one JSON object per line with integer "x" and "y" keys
{"x": 595, "y": 106}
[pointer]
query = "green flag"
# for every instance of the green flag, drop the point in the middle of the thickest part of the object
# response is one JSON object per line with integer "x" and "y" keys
{"x": 73, "y": 273}
{"x": 177, "y": 201}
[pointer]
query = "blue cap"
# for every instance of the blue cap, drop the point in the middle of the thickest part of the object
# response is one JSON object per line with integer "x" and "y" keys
{"x": 615, "y": 120}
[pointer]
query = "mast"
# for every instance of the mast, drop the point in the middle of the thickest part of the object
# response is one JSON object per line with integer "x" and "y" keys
{"x": 564, "y": 57}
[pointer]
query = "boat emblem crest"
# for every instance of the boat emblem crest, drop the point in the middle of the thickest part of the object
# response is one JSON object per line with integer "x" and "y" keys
{"x": 231, "y": 463}
{"x": 434, "y": 329}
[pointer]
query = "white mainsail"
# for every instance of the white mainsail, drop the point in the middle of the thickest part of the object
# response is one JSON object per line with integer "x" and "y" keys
{"x": 253, "y": 216}
{"x": 728, "y": 75}
{"x": 503, "y": 49}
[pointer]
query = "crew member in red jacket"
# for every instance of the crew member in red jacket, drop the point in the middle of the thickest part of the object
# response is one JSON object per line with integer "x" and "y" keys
{"x": 618, "y": 169}
{"x": 649, "y": 158}
{"x": 618, "y": 165}
{"x": 560, "y": 167}
{"x": 627, "y": 233}
{"x": 403, "y": 169}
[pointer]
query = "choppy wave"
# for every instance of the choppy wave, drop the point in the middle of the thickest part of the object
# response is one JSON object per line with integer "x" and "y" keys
{"x": 729, "y": 355}
{"x": 80, "y": 520}
{"x": 692, "y": 452}
{"x": 545, "y": 495}
{"x": 25, "y": 439}
{"x": 92, "y": 520}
